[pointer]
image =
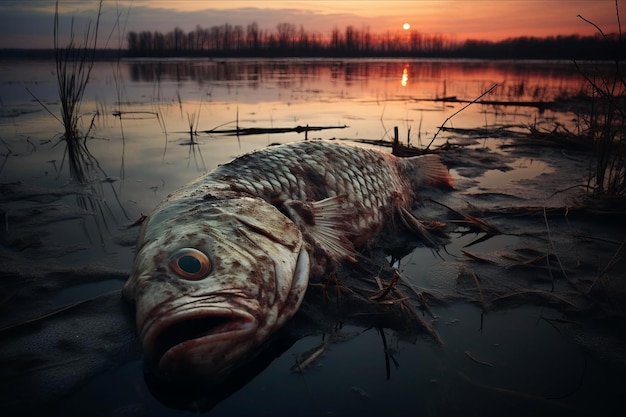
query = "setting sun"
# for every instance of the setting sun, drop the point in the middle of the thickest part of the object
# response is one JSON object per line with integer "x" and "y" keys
{"x": 406, "y": 26}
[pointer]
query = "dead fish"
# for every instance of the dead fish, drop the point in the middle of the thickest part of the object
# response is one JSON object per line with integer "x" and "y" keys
{"x": 225, "y": 261}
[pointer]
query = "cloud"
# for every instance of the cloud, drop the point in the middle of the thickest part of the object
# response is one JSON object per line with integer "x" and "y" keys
{"x": 25, "y": 29}
{"x": 26, "y": 24}
{"x": 30, "y": 24}
{"x": 165, "y": 20}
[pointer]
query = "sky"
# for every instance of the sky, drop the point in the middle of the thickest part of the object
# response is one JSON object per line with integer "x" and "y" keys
{"x": 29, "y": 23}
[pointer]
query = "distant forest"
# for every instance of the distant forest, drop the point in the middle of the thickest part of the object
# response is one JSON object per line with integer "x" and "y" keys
{"x": 287, "y": 40}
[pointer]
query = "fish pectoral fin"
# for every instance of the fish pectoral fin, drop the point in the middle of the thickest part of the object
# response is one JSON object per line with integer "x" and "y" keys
{"x": 431, "y": 234}
{"x": 325, "y": 224}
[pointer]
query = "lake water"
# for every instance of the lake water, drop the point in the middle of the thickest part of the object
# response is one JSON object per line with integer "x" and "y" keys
{"x": 515, "y": 359}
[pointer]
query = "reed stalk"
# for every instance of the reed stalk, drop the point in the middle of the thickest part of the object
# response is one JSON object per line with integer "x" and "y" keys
{"x": 605, "y": 124}
{"x": 74, "y": 63}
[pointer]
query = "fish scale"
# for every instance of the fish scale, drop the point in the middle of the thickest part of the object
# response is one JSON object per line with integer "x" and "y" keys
{"x": 330, "y": 169}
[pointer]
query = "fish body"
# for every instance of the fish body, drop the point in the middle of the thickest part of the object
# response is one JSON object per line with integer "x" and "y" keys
{"x": 225, "y": 261}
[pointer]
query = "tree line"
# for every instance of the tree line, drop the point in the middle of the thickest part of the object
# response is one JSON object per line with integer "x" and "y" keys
{"x": 288, "y": 40}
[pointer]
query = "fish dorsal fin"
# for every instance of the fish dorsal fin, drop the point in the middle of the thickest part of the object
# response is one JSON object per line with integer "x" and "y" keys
{"x": 425, "y": 170}
{"x": 324, "y": 224}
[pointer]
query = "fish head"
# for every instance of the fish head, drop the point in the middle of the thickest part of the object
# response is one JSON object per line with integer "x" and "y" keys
{"x": 213, "y": 281}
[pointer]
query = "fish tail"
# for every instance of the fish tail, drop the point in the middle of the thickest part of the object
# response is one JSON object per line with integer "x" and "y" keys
{"x": 425, "y": 170}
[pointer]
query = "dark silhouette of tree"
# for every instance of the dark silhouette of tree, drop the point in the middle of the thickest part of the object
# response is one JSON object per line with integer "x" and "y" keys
{"x": 288, "y": 40}
{"x": 351, "y": 40}
{"x": 286, "y": 35}
{"x": 303, "y": 40}
{"x": 253, "y": 36}
{"x": 178, "y": 39}
{"x": 367, "y": 40}
{"x": 335, "y": 40}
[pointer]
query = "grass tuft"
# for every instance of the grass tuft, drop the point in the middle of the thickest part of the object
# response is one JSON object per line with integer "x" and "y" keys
{"x": 605, "y": 124}
{"x": 74, "y": 63}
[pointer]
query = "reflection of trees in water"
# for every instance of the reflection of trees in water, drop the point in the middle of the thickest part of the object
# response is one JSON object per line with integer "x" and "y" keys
{"x": 517, "y": 80}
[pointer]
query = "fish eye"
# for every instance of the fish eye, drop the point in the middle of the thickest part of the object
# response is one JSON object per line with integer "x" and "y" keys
{"x": 191, "y": 264}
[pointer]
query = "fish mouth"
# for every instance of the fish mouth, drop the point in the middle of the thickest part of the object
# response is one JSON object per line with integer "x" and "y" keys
{"x": 194, "y": 342}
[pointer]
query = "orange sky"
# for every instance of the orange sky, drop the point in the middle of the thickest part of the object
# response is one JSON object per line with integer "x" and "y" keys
{"x": 29, "y": 23}
{"x": 483, "y": 19}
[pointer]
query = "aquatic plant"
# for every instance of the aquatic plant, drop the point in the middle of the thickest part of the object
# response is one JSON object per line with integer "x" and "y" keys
{"x": 605, "y": 124}
{"x": 74, "y": 63}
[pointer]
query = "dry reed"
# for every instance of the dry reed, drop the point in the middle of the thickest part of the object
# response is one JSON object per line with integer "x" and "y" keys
{"x": 74, "y": 64}
{"x": 605, "y": 124}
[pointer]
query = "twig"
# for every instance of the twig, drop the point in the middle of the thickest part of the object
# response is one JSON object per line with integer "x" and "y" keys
{"x": 556, "y": 255}
{"x": 382, "y": 293}
{"x": 548, "y": 295}
{"x": 537, "y": 400}
{"x": 596, "y": 26}
{"x": 308, "y": 358}
{"x": 385, "y": 349}
{"x": 480, "y": 291}
{"x": 459, "y": 111}
{"x": 43, "y": 105}
{"x": 608, "y": 266}
{"x": 478, "y": 361}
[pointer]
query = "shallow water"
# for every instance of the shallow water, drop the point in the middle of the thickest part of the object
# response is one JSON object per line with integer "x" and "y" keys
{"x": 68, "y": 243}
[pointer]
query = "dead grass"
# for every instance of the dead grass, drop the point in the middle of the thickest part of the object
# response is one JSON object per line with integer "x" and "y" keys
{"x": 605, "y": 124}
{"x": 74, "y": 63}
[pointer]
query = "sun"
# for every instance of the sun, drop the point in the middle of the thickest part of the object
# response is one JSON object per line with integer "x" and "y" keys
{"x": 406, "y": 26}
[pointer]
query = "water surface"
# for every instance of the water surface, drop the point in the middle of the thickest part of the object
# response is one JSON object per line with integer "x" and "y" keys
{"x": 518, "y": 358}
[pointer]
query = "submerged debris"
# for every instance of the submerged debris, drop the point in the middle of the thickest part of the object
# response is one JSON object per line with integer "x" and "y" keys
{"x": 308, "y": 358}
{"x": 244, "y": 131}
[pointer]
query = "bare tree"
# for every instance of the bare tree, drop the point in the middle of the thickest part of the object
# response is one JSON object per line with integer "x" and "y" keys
{"x": 252, "y": 32}
{"x": 286, "y": 35}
